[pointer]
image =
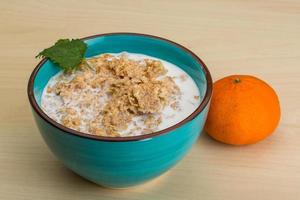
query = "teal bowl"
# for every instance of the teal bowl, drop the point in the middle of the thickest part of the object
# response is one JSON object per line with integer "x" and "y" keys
{"x": 120, "y": 162}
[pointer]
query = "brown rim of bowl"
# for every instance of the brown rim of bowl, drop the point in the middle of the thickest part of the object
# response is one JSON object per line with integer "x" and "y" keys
{"x": 202, "y": 105}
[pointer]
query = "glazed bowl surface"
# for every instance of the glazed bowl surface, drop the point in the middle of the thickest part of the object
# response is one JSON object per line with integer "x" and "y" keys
{"x": 119, "y": 162}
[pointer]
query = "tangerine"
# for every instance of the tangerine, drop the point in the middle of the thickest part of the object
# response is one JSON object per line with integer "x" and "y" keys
{"x": 243, "y": 110}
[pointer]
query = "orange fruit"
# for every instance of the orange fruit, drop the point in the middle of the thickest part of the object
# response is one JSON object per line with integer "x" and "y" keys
{"x": 243, "y": 110}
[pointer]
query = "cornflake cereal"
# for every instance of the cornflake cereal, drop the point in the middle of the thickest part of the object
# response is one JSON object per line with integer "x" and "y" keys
{"x": 116, "y": 96}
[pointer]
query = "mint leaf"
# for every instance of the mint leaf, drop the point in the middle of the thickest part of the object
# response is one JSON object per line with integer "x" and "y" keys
{"x": 67, "y": 54}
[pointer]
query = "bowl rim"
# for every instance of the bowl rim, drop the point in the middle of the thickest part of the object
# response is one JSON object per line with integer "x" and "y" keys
{"x": 67, "y": 130}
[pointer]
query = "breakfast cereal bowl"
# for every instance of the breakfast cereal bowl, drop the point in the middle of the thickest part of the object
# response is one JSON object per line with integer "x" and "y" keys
{"x": 120, "y": 162}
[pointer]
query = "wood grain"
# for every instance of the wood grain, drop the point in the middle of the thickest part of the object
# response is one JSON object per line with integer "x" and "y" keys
{"x": 233, "y": 37}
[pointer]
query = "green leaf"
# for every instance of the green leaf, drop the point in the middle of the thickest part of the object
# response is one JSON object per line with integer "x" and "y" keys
{"x": 67, "y": 54}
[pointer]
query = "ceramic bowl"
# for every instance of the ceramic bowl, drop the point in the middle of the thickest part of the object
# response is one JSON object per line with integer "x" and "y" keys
{"x": 119, "y": 162}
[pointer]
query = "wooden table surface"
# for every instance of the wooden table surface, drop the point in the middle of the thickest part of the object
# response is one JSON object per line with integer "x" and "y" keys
{"x": 257, "y": 37}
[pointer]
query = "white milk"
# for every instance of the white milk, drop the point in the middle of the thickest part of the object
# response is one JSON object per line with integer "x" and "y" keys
{"x": 187, "y": 101}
